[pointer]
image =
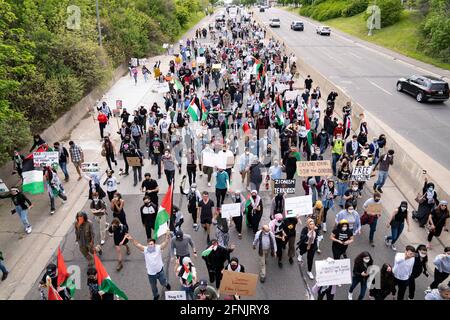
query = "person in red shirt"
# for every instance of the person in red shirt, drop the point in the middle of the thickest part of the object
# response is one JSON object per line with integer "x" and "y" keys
{"x": 102, "y": 122}
{"x": 339, "y": 130}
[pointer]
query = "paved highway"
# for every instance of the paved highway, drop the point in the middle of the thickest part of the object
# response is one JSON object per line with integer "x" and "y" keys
{"x": 370, "y": 77}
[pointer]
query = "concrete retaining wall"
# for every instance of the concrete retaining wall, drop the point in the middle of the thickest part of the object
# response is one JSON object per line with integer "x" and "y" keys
{"x": 409, "y": 161}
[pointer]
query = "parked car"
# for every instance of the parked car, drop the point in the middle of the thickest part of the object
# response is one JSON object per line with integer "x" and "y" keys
{"x": 275, "y": 23}
{"x": 424, "y": 88}
{"x": 323, "y": 30}
{"x": 297, "y": 26}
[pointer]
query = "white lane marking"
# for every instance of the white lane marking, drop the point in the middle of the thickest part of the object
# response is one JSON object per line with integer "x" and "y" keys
{"x": 355, "y": 55}
{"x": 382, "y": 89}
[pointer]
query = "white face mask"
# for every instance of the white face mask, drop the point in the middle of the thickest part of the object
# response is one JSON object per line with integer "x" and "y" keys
{"x": 366, "y": 260}
{"x": 350, "y": 210}
{"x": 422, "y": 255}
{"x": 344, "y": 229}
{"x": 355, "y": 188}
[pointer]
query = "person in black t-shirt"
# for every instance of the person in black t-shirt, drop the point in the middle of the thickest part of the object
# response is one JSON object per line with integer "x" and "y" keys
{"x": 341, "y": 236}
{"x": 94, "y": 289}
{"x": 119, "y": 231}
{"x": 308, "y": 82}
{"x": 289, "y": 229}
{"x": 150, "y": 187}
{"x": 205, "y": 208}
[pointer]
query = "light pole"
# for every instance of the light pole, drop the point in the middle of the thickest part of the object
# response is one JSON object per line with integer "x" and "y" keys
{"x": 98, "y": 25}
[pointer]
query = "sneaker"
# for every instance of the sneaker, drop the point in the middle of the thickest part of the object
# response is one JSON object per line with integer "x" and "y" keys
{"x": 350, "y": 296}
{"x": 300, "y": 259}
{"x": 427, "y": 291}
{"x": 386, "y": 241}
{"x": 318, "y": 251}
{"x": 52, "y": 212}
{"x": 156, "y": 297}
{"x": 393, "y": 247}
{"x": 374, "y": 188}
{"x": 28, "y": 230}
{"x": 379, "y": 190}
{"x": 291, "y": 261}
{"x": 262, "y": 279}
{"x": 310, "y": 275}
{"x": 280, "y": 264}
{"x": 209, "y": 184}
{"x": 372, "y": 244}
{"x": 168, "y": 286}
{"x": 324, "y": 227}
{"x": 5, "y": 275}
{"x": 239, "y": 236}
{"x": 119, "y": 266}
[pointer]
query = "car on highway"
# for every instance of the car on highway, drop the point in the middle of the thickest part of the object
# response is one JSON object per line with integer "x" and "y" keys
{"x": 424, "y": 88}
{"x": 275, "y": 23}
{"x": 323, "y": 30}
{"x": 297, "y": 26}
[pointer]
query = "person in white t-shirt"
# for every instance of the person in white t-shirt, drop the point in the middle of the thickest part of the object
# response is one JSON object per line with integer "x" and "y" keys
{"x": 154, "y": 262}
{"x": 403, "y": 267}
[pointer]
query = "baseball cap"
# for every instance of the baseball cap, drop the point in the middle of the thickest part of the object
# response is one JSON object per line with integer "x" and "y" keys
{"x": 203, "y": 284}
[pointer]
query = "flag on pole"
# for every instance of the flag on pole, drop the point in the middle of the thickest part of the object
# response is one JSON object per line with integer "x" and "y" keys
{"x": 308, "y": 128}
{"x": 52, "y": 293}
{"x": 33, "y": 180}
{"x": 164, "y": 213}
{"x": 204, "y": 112}
{"x": 178, "y": 85}
{"x": 193, "y": 110}
{"x": 210, "y": 249}
{"x": 64, "y": 280}
{"x": 246, "y": 128}
{"x": 106, "y": 285}
{"x": 247, "y": 211}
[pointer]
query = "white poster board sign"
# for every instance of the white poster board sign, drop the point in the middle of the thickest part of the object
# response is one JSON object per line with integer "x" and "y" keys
{"x": 175, "y": 295}
{"x": 361, "y": 173}
{"x": 333, "y": 272}
{"x": 201, "y": 60}
{"x": 281, "y": 87}
{"x": 162, "y": 87}
{"x": 209, "y": 159}
{"x": 90, "y": 167}
{"x": 3, "y": 187}
{"x": 298, "y": 206}
{"x": 165, "y": 45}
{"x": 231, "y": 210}
{"x": 42, "y": 159}
{"x": 291, "y": 95}
{"x": 221, "y": 160}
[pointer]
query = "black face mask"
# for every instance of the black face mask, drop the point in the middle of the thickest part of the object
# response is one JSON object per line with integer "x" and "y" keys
{"x": 233, "y": 267}
{"x": 254, "y": 197}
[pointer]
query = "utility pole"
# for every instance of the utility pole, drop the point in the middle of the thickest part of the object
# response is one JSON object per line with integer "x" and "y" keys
{"x": 98, "y": 25}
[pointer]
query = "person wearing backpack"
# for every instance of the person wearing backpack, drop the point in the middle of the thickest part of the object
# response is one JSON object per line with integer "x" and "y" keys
{"x": 127, "y": 148}
{"x": 193, "y": 198}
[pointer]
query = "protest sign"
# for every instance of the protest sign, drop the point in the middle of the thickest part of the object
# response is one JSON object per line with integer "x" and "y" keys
{"x": 162, "y": 87}
{"x": 291, "y": 95}
{"x": 361, "y": 173}
{"x": 242, "y": 284}
{"x": 175, "y": 295}
{"x": 118, "y": 104}
{"x": 165, "y": 45}
{"x": 314, "y": 168}
{"x": 209, "y": 159}
{"x": 89, "y": 167}
{"x": 201, "y": 60}
{"x": 3, "y": 187}
{"x": 43, "y": 159}
{"x": 216, "y": 66}
{"x": 333, "y": 272}
{"x": 221, "y": 160}
{"x": 375, "y": 208}
{"x": 231, "y": 210}
{"x": 281, "y": 87}
{"x": 284, "y": 186}
{"x": 134, "y": 161}
{"x": 298, "y": 206}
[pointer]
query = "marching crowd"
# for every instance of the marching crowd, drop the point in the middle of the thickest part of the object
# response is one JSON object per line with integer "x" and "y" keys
{"x": 234, "y": 98}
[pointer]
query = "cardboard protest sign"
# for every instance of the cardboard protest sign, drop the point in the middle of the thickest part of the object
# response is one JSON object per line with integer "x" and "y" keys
{"x": 284, "y": 186}
{"x": 298, "y": 206}
{"x": 162, "y": 87}
{"x": 375, "y": 208}
{"x": 175, "y": 295}
{"x": 43, "y": 159}
{"x": 89, "y": 167}
{"x": 314, "y": 168}
{"x": 333, "y": 272}
{"x": 231, "y": 210}
{"x": 216, "y": 66}
{"x": 361, "y": 173}
{"x": 242, "y": 284}
{"x": 134, "y": 161}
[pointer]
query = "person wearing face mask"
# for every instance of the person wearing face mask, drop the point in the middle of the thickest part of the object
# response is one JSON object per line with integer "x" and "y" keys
{"x": 442, "y": 268}
{"x": 111, "y": 184}
{"x": 205, "y": 291}
{"x": 206, "y": 169}
{"x": 387, "y": 284}
{"x": 341, "y": 237}
{"x": 266, "y": 244}
{"x": 441, "y": 293}
{"x": 222, "y": 228}
{"x": 117, "y": 207}
{"x": 234, "y": 266}
{"x": 420, "y": 266}
{"x": 360, "y": 274}
{"x": 237, "y": 197}
{"x": 403, "y": 268}
{"x": 337, "y": 149}
{"x": 277, "y": 227}
{"x": 290, "y": 162}
{"x": 98, "y": 209}
{"x": 323, "y": 140}
{"x": 193, "y": 197}
{"x": 84, "y": 236}
{"x": 95, "y": 293}
{"x": 205, "y": 211}
{"x": 244, "y": 166}
{"x": 329, "y": 193}
{"x": 119, "y": 232}
{"x": 371, "y": 218}
{"x": 187, "y": 274}
{"x": 352, "y": 217}
{"x": 308, "y": 244}
{"x": 278, "y": 205}
{"x": 180, "y": 246}
{"x": 154, "y": 262}
{"x": 148, "y": 216}
{"x": 215, "y": 256}
{"x": 427, "y": 201}
{"x": 437, "y": 221}
{"x": 385, "y": 162}
{"x": 353, "y": 194}
{"x": 150, "y": 187}
{"x": 254, "y": 211}
{"x": 397, "y": 223}
{"x": 21, "y": 206}
{"x": 156, "y": 150}
{"x": 256, "y": 175}
{"x": 275, "y": 172}
{"x": 222, "y": 186}
{"x": 169, "y": 167}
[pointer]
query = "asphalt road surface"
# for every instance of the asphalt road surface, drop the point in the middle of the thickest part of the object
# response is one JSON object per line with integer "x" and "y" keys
{"x": 370, "y": 79}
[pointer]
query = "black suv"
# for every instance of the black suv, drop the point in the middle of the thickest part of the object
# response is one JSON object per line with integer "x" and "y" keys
{"x": 297, "y": 26}
{"x": 424, "y": 88}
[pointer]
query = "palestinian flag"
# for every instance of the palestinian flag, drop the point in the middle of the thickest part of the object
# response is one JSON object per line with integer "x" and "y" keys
{"x": 64, "y": 280}
{"x": 105, "y": 284}
{"x": 164, "y": 213}
{"x": 186, "y": 274}
{"x": 178, "y": 85}
{"x": 308, "y": 128}
{"x": 280, "y": 116}
{"x": 246, "y": 128}
{"x": 209, "y": 250}
{"x": 204, "y": 112}
{"x": 52, "y": 293}
{"x": 193, "y": 110}
{"x": 33, "y": 179}
{"x": 247, "y": 213}
{"x": 279, "y": 102}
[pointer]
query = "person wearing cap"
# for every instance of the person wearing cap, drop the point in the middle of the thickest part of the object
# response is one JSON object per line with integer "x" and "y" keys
{"x": 21, "y": 206}
{"x": 254, "y": 211}
{"x": 442, "y": 268}
{"x": 397, "y": 223}
{"x": 205, "y": 291}
{"x": 154, "y": 262}
{"x": 50, "y": 277}
{"x": 84, "y": 236}
{"x": 266, "y": 245}
{"x": 341, "y": 237}
{"x": 187, "y": 274}
{"x": 420, "y": 267}
{"x": 437, "y": 221}
{"x": 215, "y": 256}
{"x": 371, "y": 217}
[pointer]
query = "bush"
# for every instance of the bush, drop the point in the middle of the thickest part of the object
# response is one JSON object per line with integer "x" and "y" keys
{"x": 390, "y": 11}
{"x": 354, "y": 7}
{"x": 323, "y": 10}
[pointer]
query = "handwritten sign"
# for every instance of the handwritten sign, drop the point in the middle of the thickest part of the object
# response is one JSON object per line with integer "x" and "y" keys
{"x": 201, "y": 60}
{"x": 375, "y": 208}
{"x": 361, "y": 173}
{"x": 314, "y": 168}
{"x": 333, "y": 272}
{"x": 242, "y": 284}
{"x": 43, "y": 159}
{"x": 291, "y": 95}
{"x": 165, "y": 46}
{"x": 89, "y": 167}
{"x": 216, "y": 66}
{"x": 298, "y": 206}
{"x": 284, "y": 186}
{"x": 134, "y": 161}
{"x": 175, "y": 295}
{"x": 209, "y": 159}
{"x": 231, "y": 210}
{"x": 118, "y": 104}
{"x": 3, "y": 187}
